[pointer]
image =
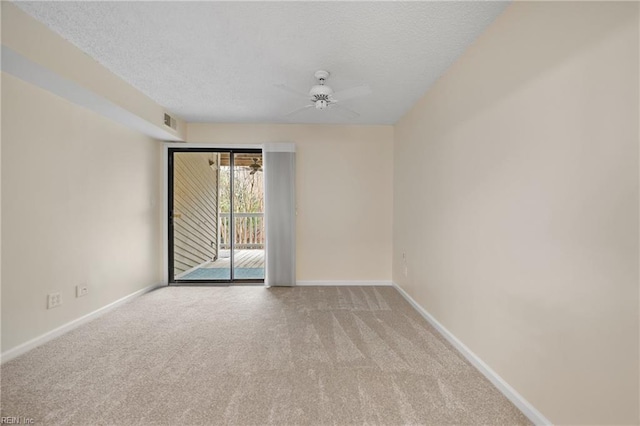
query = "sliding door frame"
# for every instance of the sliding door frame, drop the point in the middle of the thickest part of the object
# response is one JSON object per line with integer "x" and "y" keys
{"x": 169, "y": 217}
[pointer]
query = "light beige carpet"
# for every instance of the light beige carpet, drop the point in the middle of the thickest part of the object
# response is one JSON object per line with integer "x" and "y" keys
{"x": 254, "y": 356}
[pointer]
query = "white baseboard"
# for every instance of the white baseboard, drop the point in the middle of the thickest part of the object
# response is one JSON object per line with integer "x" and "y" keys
{"x": 512, "y": 395}
{"x": 343, "y": 283}
{"x": 27, "y": 346}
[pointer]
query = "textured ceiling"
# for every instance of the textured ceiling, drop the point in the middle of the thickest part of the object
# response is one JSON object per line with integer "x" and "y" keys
{"x": 220, "y": 61}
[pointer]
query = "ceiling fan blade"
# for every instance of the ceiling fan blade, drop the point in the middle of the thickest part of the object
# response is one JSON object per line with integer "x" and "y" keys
{"x": 345, "y": 111}
{"x": 354, "y": 92}
{"x": 292, "y": 90}
{"x": 296, "y": 111}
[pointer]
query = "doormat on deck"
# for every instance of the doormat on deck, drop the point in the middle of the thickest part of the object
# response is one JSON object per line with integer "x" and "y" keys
{"x": 224, "y": 274}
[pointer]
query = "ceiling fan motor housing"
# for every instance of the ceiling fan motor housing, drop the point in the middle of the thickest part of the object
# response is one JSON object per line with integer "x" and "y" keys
{"x": 320, "y": 90}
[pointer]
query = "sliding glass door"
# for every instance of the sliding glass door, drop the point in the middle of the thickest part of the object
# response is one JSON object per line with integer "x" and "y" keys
{"x": 216, "y": 216}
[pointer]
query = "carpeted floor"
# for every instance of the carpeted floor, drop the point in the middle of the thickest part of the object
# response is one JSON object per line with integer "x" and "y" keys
{"x": 253, "y": 356}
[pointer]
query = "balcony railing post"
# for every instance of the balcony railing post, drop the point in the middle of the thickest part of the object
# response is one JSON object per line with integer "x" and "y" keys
{"x": 249, "y": 230}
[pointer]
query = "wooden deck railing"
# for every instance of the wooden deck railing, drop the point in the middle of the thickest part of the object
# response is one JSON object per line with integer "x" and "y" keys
{"x": 249, "y": 231}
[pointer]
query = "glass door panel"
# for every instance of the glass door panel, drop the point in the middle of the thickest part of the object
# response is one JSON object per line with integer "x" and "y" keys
{"x": 195, "y": 219}
{"x": 248, "y": 217}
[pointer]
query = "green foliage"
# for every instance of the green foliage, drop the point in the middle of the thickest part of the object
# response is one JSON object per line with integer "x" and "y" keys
{"x": 248, "y": 191}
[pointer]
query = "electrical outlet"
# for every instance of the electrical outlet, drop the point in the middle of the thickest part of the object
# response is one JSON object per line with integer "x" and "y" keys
{"x": 54, "y": 300}
{"x": 404, "y": 263}
{"x": 82, "y": 290}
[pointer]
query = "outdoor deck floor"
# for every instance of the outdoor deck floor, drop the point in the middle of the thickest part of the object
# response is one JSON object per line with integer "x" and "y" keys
{"x": 248, "y": 264}
{"x": 242, "y": 258}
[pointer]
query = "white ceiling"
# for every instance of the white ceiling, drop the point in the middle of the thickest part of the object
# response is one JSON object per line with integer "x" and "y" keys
{"x": 220, "y": 61}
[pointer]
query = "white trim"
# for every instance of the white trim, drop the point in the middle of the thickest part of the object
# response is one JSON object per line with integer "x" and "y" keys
{"x": 27, "y": 346}
{"x": 343, "y": 283}
{"x": 279, "y": 147}
{"x": 165, "y": 213}
{"x": 215, "y": 145}
{"x": 512, "y": 395}
{"x": 17, "y": 65}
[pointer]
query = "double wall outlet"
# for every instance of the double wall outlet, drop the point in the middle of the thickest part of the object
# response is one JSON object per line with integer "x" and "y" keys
{"x": 82, "y": 290}
{"x": 54, "y": 300}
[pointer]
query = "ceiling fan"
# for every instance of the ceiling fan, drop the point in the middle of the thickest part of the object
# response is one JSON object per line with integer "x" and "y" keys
{"x": 255, "y": 167}
{"x": 323, "y": 97}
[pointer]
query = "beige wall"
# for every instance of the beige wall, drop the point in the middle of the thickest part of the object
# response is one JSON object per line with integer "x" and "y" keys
{"x": 516, "y": 203}
{"x": 80, "y": 206}
{"x": 343, "y": 193}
